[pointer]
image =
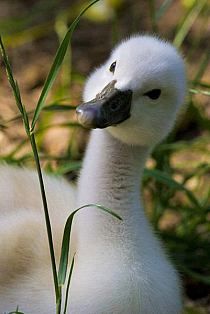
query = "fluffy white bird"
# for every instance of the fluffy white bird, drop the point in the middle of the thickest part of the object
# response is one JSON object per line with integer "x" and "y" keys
{"x": 132, "y": 100}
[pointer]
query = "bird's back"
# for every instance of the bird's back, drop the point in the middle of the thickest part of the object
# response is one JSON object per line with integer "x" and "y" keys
{"x": 25, "y": 269}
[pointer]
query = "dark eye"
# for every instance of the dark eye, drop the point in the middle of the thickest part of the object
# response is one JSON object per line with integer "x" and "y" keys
{"x": 112, "y": 67}
{"x": 153, "y": 94}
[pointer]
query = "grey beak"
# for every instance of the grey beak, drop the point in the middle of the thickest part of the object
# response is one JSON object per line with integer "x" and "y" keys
{"x": 110, "y": 107}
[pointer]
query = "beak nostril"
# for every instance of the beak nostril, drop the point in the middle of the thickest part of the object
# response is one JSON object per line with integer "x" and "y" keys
{"x": 114, "y": 106}
{"x": 79, "y": 110}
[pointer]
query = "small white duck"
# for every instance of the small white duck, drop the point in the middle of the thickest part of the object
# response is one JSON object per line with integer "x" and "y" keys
{"x": 120, "y": 267}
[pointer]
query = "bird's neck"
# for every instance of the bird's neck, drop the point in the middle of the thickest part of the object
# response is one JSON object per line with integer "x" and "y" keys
{"x": 111, "y": 177}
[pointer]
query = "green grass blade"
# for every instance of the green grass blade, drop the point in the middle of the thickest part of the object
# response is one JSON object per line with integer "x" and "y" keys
{"x": 66, "y": 240}
{"x": 24, "y": 115}
{"x": 152, "y": 10}
{"x": 26, "y": 121}
{"x": 65, "y": 249}
{"x": 68, "y": 286}
{"x": 47, "y": 218}
{"x": 199, "y": 277}
{"x": 15, "y": 88}
{"x": 201, "y": 92}
{"x": 11, "y": 79}
{"x": 202, "y": 68}
{"x": 52, "y": 107}
{"x": 162, "y": 9}
{"x": 68, "y": 166}
{"x": 164, "y": 178}
{"x": 57, "y": 64}
{"x": 201, "y": 119}
{"x": 201, "y": 84}
{"x": 188, "y": 21}
{"x": 60, "y": 125}
{"x": 16, "y": 311}
{"x": 58, "y": 107}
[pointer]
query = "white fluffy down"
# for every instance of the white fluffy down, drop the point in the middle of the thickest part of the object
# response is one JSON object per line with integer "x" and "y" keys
{"x": 120, "y": 266}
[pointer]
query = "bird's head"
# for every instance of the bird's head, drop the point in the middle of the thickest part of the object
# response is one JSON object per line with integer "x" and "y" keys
{"x": 137, "y": 92}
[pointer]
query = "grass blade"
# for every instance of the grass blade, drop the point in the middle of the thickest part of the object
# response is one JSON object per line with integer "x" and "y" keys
{"x": 188, "y": 21}
{"x": 68, "y": 166}
{"x": 201, "y": 92}
{"x": 202, "y": 68}
{"x": 152, "y": 10}
{"x": 164, "y": 178}
{"x": 66, "y": 240}
{"x": 68, "y": 285}
{"x": 16, "y": 311}
{"x": 31, "y": 137}
{"x": 15, "y": 88}
{"x": 58, "y": 107}
{"x": 162, "y": 9}
{"x": 11, "y": 79}
{"x": 199, "y": 277}
{"x": 47, "y": 218}
{"x": 56, "y": 65}
{"x": 199, "y": 83}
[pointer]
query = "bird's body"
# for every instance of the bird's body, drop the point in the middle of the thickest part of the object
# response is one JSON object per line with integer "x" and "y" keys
{"x": 127, "y": 270}
{"x": 120, "y": 266}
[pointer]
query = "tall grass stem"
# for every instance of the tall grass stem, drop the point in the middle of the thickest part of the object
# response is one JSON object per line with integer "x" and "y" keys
{"x": 47, "y": 218}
